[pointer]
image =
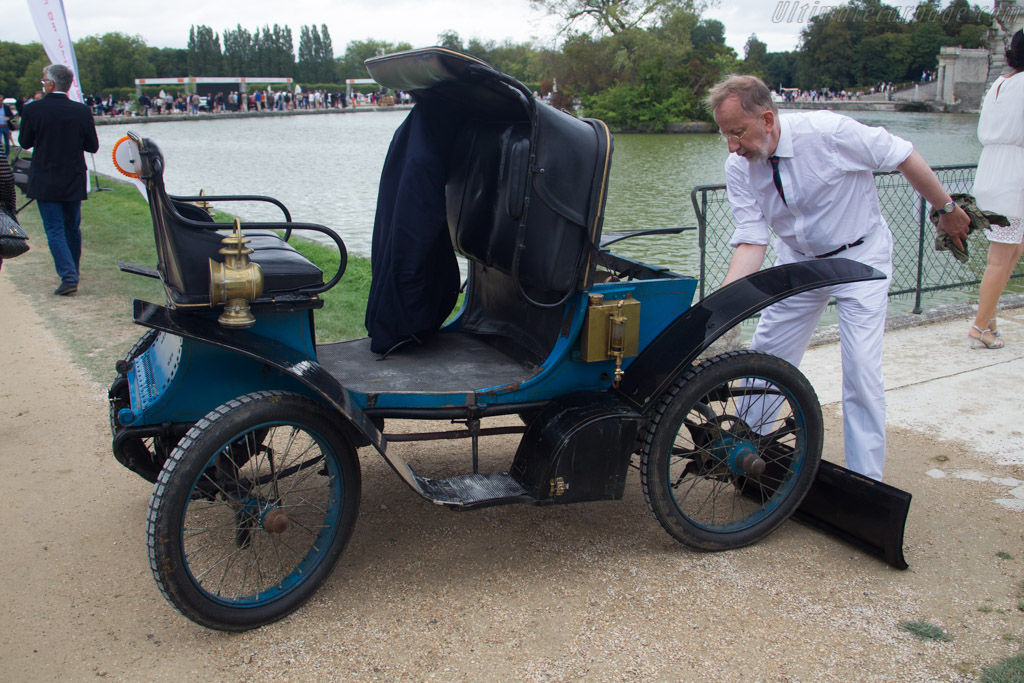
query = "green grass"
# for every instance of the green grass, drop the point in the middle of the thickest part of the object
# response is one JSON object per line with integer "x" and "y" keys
{"x": 1009, "y": 670}
{"x": 1004, "y": 556}
{"x": 96, "y": 324}
{"x": 925, "y": 630}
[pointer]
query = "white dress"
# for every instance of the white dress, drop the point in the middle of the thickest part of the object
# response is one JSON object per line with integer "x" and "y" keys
{"x": 999, "y": 181}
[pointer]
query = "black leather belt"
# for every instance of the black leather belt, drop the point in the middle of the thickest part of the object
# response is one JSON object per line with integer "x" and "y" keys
{"x": 842, "y": 248}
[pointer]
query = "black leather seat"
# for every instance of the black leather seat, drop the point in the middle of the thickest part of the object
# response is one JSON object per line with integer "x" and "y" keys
{"x": 187, "y": 237}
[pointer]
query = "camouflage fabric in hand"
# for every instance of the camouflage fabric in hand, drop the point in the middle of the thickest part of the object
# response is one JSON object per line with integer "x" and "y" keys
{"x": 980, "y": 220}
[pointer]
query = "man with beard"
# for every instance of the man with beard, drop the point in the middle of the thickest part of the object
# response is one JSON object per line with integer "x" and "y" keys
{"x": 808, "y": 179}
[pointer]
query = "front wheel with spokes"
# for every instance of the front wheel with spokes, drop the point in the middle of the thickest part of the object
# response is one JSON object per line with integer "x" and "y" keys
{"x": 732, "y": 450}
{"x": 252, "y": 510}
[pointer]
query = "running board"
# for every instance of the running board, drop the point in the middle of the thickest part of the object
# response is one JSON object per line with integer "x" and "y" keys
{"x": 474, "y": 490}
{"x": 861, "y": 511}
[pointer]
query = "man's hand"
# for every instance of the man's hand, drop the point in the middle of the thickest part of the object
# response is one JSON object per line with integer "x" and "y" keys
{"x": 923, "y": 179}
{"x": 955, "y": 225}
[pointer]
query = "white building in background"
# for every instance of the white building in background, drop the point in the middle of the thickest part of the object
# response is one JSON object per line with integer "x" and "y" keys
{"x": 964, "y": 74}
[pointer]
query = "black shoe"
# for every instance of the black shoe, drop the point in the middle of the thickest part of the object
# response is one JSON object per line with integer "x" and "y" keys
{"x": 65, "y": 289}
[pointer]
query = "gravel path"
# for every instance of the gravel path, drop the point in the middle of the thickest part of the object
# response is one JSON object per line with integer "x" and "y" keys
{"x": 595, "y": 591}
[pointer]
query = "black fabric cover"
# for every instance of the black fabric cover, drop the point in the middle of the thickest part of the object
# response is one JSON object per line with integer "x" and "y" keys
{"x": 415, "y": 274}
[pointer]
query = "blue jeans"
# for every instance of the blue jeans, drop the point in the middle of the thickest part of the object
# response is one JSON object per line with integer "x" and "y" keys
{"x": 61, "y": 221}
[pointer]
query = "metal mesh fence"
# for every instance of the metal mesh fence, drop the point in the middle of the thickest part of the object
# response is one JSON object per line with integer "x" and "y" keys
{"x": 917, "y": 267}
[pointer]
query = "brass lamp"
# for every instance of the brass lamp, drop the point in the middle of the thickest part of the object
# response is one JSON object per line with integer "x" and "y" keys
{"x": 236, "y": 281}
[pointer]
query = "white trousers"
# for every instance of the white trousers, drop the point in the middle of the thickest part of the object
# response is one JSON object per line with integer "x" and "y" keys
{"x": 785, "y": 329}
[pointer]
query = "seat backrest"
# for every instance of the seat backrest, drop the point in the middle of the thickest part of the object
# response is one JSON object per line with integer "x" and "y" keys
{"x": 547, "y": 190}
{"x": 526, "y": 183}
{"x": 524, "y": 193}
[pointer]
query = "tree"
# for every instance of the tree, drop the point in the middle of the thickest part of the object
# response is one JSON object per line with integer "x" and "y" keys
{"x": 204, "y": 56}
{"x": 754, "y": 54}
{"x": 450, "y": 40}
{"x": 274, "y": 52}
{"x": 316, "y": 56}
{"x": 960, "y": 14}
{"x": 925, "y": 40}
{"x": 780, "y": 69}
{"x": 325, "y": 62}
{"x": 168, "y": 61}
{"x": 828, "y": 57}
{"x": 14, "y": 61}
{"x": 350, "y": 65}
{"x": 29, "y": 81}
{"x": 520, "y": 60}
{"x": 884, "y": 57}
{"x": 613, "y": 16}
{"x": 239, "y": 52}
{"x": 708, "y": 32}
{"x": 304, "y": 66}
{"x": 113, "y": 60}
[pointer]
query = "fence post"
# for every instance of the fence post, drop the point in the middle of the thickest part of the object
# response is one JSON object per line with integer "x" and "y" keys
{"x": 920, "y": 256}
{"x": 701, "y": 230}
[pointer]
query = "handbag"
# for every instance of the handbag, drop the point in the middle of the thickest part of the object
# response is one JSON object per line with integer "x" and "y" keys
{"x": 13, "y": 240}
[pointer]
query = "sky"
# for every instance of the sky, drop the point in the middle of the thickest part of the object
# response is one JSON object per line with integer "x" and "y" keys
{"x": 166, "y": 24}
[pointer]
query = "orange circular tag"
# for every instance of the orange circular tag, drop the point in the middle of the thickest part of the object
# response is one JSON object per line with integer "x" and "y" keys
{"x": 126, "y": 157}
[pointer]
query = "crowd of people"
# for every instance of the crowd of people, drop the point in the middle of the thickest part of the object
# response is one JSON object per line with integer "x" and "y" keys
{"x": 885, "y": 88}
{"x": 221, "y": 102}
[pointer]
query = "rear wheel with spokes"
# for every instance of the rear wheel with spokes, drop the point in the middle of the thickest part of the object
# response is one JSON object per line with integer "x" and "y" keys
{"x": 732, "y": 450}
{"x": 252, "y": 510}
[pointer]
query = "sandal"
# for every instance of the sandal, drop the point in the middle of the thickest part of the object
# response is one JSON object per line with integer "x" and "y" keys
{"x": 996, "y": 342}
{"x": 992, "y": 326}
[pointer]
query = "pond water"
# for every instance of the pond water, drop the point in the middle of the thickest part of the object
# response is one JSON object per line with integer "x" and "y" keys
{"x": 325, "y": 168}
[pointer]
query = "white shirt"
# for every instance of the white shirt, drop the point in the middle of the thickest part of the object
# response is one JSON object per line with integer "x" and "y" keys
{"x": 999, "y": 181}
{"x": 826, "y": 162}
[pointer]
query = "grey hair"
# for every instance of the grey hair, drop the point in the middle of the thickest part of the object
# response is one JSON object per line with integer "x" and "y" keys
{"x": 752, "y": 92}
{"x": 60, "y": 75}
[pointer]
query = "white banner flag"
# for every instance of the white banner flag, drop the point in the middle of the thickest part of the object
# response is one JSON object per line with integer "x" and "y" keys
{"x": 52, "y": 25}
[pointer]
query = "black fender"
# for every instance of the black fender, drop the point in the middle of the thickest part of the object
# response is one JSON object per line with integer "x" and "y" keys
{"x": 690, "y": 334}
{"x": 275, "y": 354}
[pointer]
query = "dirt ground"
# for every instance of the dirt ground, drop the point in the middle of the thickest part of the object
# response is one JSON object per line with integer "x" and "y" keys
{"x": 595, "y": 591}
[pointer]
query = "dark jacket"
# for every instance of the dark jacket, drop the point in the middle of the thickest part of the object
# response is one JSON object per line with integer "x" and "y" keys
{"x": 59, "y": 132}
{"x": 415, "y": 275}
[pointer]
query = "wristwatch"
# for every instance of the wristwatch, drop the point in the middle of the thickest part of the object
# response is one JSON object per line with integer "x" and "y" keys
{"x": 948, "y": 208}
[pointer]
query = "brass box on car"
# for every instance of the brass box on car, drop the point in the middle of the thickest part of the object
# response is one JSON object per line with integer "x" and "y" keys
{"x": 596, "y": 338}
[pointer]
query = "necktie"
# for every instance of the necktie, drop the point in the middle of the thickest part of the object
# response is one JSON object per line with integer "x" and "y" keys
{"x": 777, "y": 177}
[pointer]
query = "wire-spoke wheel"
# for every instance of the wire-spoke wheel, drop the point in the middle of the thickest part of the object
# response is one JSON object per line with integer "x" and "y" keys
{"x": 732, "y": 450}
{"x": 252, "y": 510}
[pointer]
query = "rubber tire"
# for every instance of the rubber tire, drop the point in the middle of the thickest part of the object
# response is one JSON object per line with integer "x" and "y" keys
{"x": 176, "y": 487}
{"x": 686, "y": 393}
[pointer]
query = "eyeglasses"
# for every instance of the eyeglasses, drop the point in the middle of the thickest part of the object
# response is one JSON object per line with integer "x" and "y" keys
{"x": 724, "y": 137}
{"x": 44, "y": 81}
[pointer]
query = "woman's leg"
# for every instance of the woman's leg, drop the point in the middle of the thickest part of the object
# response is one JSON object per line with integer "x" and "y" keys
{"x": 1002, "y": 259}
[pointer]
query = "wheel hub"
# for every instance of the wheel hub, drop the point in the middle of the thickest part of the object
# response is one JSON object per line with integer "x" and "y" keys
{"x": 275, "y": 520}
{"x": 735, "y": 451}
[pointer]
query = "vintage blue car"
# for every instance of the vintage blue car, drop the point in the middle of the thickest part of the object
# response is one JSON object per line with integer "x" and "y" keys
{"x": 248, "y": 427}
